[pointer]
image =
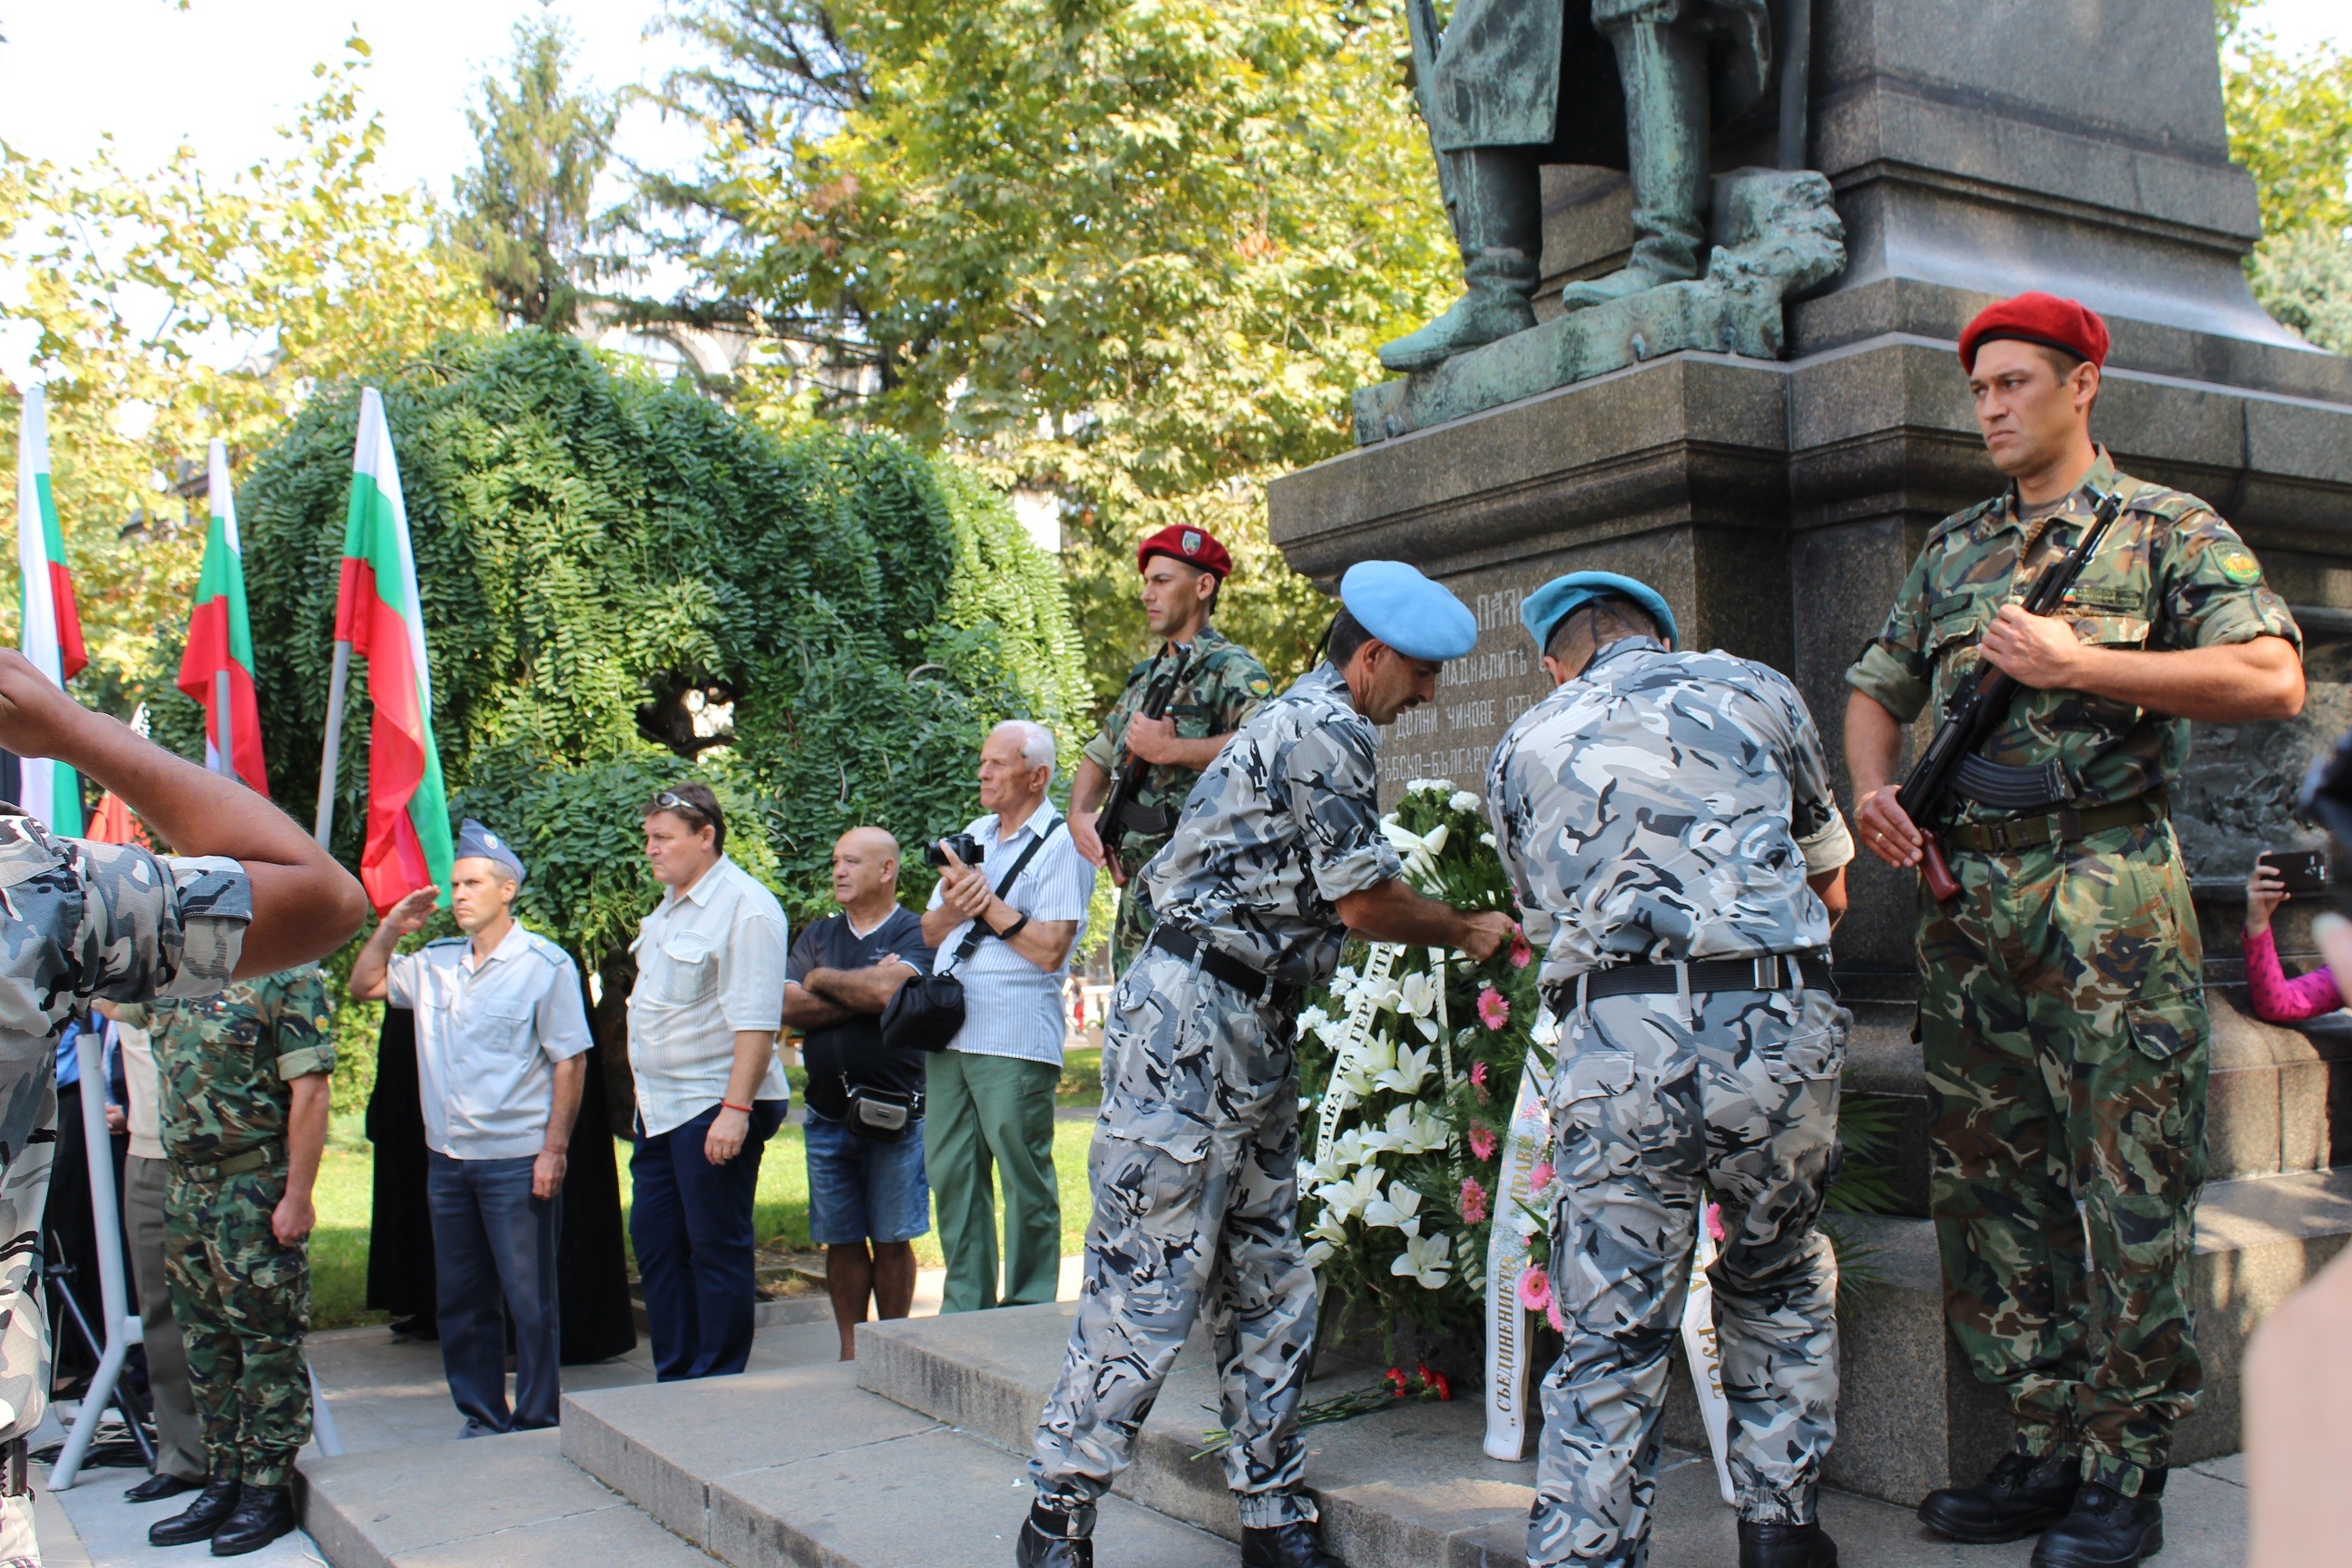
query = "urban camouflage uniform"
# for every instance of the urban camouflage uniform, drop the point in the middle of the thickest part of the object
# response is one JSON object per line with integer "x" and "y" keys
{"x": 1668, "y": 807}
{"x": 1224, "y": 684}
{"x": 1196, "y": 1152}
{"x": 78, "y": 920}
{"x": 241, "y": 1298}
{"x": 2061, "y": 1001}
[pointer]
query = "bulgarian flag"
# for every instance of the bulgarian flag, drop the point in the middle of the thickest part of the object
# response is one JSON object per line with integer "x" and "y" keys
{"x": 220, "y": 640}
{"x": 377, "y": 613}
{"x": 50, "y": 627}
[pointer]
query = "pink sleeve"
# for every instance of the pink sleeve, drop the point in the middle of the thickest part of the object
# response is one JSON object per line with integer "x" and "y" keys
{"x": 2277, "y": 999}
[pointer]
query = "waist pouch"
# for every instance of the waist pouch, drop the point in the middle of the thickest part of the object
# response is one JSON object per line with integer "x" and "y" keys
{"x": 884, "y": 1115}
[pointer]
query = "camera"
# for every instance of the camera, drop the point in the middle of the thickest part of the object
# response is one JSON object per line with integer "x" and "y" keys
{"x": 967, "y": 850}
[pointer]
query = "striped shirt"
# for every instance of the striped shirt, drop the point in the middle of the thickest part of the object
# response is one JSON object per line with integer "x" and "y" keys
{"x": 1011, "y": 1007}
{"x": 711, "y": 961}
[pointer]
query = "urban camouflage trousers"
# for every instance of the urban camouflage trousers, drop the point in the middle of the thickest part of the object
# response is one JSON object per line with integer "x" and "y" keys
{"x": 2062, "y": 1012}
{"x": 1194, "y": 1171}
{"x": 1655, "y": 1116}
{"x": 28, "y": 1144}
{"x": 243, "y": 1304}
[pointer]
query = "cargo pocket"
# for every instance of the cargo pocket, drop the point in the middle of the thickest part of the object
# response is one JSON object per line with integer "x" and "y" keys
{"x": 2166, "y": 1024}
{"x": 1814, "y": 1047}
{"x": 1167, "y": 1127}
{"x": 1585, "y": 1083}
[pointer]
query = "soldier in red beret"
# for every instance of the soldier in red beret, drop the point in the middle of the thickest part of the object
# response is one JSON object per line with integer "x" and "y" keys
{"x": 1183, "y": 567}
{"x": 2062, "y": 1009}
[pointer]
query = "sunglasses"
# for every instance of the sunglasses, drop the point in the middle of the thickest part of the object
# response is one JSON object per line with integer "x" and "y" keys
{"x": 669, "y": 801}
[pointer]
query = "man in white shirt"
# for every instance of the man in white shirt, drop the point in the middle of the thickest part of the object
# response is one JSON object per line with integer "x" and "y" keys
{"x": 703, "y": 1017}
{"x": 500, "y": 1029}
{"x": 989, "y": 1099}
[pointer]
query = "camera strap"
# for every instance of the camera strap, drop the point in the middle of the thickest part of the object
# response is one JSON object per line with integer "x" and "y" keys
{"x": 980, "y": 932}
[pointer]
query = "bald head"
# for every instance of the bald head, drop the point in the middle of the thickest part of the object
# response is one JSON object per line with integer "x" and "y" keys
{"x": 865, "y": 873}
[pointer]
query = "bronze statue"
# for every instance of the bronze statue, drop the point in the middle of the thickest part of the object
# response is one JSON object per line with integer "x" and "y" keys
{"x": 1513, "y": 85}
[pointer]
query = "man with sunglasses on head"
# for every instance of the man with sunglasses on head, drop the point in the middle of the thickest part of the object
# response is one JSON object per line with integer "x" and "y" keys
{"x": 703, "y": 1017}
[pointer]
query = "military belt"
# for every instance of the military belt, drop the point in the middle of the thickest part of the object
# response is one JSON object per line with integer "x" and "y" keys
{"x": 1774, "y": 972}
{"x": 1252, "y": 983}
{"x": 2065, "y": 827}
{"x": 234, "y": 1166}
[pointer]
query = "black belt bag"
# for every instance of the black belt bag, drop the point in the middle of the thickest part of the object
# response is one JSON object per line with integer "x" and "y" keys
{"x": 927, "y": 1013}
{"x": 884, "y": 1115}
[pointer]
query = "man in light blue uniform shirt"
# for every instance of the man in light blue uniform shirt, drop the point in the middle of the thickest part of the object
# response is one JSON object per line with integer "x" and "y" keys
{"x": 500, "y": 1033}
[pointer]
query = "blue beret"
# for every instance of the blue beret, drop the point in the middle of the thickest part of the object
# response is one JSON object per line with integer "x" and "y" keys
{"x": 1542, "y": 611}
{"x": 1407, "y": 611}
{"x": 476, "y": 842}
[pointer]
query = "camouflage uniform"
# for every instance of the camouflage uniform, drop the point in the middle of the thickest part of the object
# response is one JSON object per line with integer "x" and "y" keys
{"x": 1223, "y": 686}
{"x": 242, "y": 1299}
{"x": 1668, "y": 807}
{"x": 1196, "y": 1152}
{"x": 2061, "y": 1001}
{"x": 78, "y": 921}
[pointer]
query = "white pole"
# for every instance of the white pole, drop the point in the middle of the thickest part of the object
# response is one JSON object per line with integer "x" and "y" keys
{"x": 123, "y": 1329}
{"x": 332, "y": 752}
{"x": 225, "y": 723}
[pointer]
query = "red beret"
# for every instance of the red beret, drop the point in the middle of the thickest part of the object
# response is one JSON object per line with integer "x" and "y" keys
{"x": 1192, "y": 546}
{"x": 2045, "y": 319}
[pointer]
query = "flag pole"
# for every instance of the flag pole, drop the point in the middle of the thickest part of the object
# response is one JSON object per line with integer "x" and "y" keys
{"x": 332, "y": 752}
{"x": 225, "y": 723}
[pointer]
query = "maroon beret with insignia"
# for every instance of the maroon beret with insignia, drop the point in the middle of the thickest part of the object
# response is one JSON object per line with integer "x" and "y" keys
{"x": 2065, "y": 325}
{"x": 1192, "y": 546}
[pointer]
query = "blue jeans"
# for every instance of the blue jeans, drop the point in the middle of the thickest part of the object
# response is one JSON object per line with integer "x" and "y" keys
{"x": 494, "y": 1254}
{"x": 862, "y": 1189}
{"x": 690, "y": 1222}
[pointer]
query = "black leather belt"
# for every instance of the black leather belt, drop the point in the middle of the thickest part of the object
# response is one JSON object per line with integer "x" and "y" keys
{"x": 1252, "y": 983}
{"x": 2057, "y": 827}
{"x": 1766, "y": 973}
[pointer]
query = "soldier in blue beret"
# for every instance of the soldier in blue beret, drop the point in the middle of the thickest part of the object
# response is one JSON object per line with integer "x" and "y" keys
{"x": 1279, "y": 854}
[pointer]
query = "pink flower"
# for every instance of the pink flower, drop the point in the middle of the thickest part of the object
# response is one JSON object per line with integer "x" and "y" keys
{"x": 1481, "y": 1141}
{"x": 1535, "y": 1289}
{"x": 1520, "y": 951}
{"x": 1478, "y": 1074}
{"x": 1540, "y": 1177}
{"x": 1474, "y": 1201}
{"x": 1714, "y": 1222}
{"x": 1551, "y": 1315}
{"x": 1493, "y": 1008}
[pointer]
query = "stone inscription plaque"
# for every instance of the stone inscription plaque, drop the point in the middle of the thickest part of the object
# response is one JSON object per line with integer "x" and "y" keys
{"x": 1478, "y": 695}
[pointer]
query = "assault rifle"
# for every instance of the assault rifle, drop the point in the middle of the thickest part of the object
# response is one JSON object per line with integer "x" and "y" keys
{"x": 1120, "y": 814}
{"x": 1981, "y": 702}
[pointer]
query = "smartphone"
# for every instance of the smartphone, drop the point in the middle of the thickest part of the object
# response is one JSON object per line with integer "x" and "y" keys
{"x": 2303, "y": 870}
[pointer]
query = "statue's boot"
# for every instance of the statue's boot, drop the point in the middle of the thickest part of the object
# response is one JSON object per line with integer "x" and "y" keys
{"x": 1495, "y": 201}
{"x": 1663, "y": 69}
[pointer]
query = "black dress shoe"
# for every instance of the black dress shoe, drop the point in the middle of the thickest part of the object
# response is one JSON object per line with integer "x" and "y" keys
{"x": 200, "y": 1519}
{"x": 2105, "y": 1530}
{"x": 1785, "y": 1546}
{"x": 263, "y": 1514}
{"x": 1047, "y": 1543}
{"x": 158, "y": 1487}
{"x": 1298, "y": 1544}
{"x": 2021, "y": 1495}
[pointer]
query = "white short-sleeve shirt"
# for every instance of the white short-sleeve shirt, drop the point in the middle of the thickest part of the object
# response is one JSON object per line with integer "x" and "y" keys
{"x": 1011, "y": 1007}
{"x": 711, "y": 961}
{"x": 486, "y": 1036}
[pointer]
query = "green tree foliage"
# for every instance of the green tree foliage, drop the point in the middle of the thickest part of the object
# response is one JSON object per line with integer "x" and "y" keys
{"x": 2291, "y": 126}
{"x": 1135, "y": 253}
{"x": 524, "y": 208}
{"x": 616, "y": 574}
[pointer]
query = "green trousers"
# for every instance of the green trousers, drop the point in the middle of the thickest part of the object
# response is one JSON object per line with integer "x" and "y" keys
{"x": 986, "y": 1115}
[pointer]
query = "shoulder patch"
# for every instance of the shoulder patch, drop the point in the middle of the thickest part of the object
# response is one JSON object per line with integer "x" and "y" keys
{"x": 2240, "y": 567}
{"x": 1261, "y": 686}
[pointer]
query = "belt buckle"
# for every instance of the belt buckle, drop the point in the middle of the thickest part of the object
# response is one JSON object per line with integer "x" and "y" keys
{"x": 2009, "y": 835}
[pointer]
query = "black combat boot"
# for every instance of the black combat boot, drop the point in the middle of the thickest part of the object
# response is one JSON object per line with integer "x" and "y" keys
{"x": 1785, "y": 1546}
{"x": 1051, "y": 1539}
{"x": 158, "y": 1487}
{"x": 1298, "y": 1544}
{"x": 200, "y": 1518}
{"x": 263, "y": 1514}
{"x": 2106, "y": 1529}
{"x": 2021, "y": 1495}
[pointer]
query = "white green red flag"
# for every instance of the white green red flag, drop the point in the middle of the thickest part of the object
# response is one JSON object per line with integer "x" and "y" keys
{"x": 50, "y": 624}
{"x": 220, "y": 640}
{"x": 377, "y": 611}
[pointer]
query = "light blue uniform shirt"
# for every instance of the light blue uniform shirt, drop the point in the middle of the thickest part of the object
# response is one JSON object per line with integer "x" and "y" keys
{"x": 486, "y": 1037}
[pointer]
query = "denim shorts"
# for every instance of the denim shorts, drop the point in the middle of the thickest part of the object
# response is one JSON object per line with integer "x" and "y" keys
{"x": 861, "y": 1189}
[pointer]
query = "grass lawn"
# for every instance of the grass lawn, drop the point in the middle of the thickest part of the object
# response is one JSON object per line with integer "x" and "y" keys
{"x": 339, "y": 1248}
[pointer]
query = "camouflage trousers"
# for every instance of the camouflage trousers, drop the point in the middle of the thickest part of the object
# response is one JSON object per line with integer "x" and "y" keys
{"x": 1194, "y": 1171}
{"x": 243, "y": 1304}
{"x": 28, "y": 1143}
{"x": 1655, "y": 1116}
{"x": 2062, "y": 1011}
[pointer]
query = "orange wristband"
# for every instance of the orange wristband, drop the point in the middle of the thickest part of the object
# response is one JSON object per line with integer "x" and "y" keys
{"x": 728, "y": 1105}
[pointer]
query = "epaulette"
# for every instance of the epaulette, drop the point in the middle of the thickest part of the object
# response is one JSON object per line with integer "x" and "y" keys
{"x": 448, "y": 942}
{"x": 1965, "y": 516}
{"x": 547, "y": 952}
{"x": 2159, "y": 501}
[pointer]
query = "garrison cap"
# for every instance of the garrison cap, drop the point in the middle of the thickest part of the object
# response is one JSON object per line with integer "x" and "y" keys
{"x": 1193, "y": 546}
{"x": 1542, "y": 611}
{"x": 476, "y": 842}
{"x": 2067, "y": 325}
{"x": 1405, "y": 610}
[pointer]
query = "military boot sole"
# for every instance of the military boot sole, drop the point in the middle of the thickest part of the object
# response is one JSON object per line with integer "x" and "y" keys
{"x": 2150, "y": 1544}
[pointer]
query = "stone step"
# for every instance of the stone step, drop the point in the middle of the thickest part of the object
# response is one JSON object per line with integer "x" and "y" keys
{"x": 802, "y": 1467}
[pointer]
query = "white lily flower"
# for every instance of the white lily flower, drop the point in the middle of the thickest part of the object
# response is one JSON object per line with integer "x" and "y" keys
{"x": 1463, "y": 800}
{"x": 1348, "y": 1199}
{"x": 1430, "y": 1132}
{"x": 1409, "y": 1071}
{"x": 1427, "y": 1260}
{"x": 1418, "y": 995}
{"x": 1399, "y": 1210}
{"x": 1346, "y": 1154}
{"x": 1330, "y": 1228}
{"x": 1318, "y": 1253}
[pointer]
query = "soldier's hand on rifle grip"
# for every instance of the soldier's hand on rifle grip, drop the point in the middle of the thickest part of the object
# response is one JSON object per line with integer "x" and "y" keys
{"x": 1887, "y": 832}
{"x": 2039, "y": 651}
{"x": 1153, "y": 740}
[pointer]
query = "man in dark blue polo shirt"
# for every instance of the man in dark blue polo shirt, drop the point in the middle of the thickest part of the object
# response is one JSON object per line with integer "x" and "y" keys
{"x": 864, "y": 1130}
